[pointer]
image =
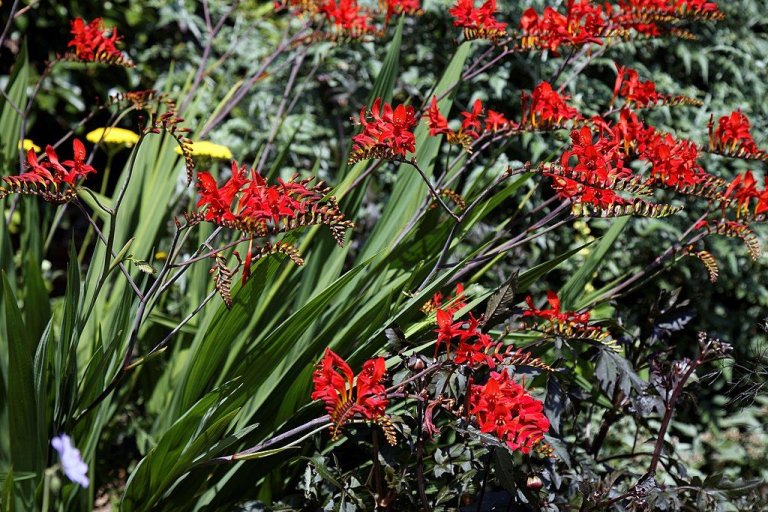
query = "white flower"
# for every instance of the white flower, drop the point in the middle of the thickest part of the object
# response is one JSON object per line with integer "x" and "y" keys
{"x": 71, "y": 462}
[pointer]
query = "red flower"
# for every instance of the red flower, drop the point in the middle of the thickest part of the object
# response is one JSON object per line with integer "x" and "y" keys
{"x": 470, "y": 125}
{"x": 454, "y": 304}
{"x": 547, "y": 108}
{"x": 733, "y": 133}
{"x": 346, "y": 16}
{"x": 633, "y": 90}
{"x": 743, "y": 188}
{"x": 595, "y": 161}
{"x": 334, "y": 384}
{"x": 447, "y": 329}
{"x": 91, "y": 42}
{"x": 504, "y": 408}
{"x": 554, "y": 314}
{"x": 78, "y": 166}
{"x": 495, "y": 121}
{"x": 438, "y": 124}
{"x": 387, "y": 134}
{"x": 478, "y": 23}
{"x": 395, "y": 7}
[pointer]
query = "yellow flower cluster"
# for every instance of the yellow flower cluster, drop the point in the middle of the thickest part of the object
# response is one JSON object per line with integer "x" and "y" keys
{"x": 113, "y": 136}
{"x": 204, "y": 148}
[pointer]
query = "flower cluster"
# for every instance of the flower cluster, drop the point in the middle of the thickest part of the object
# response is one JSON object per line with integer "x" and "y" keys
{"x": 347, "y": 19}
{"x": 545, "y": 109}
{"x": 387, "y": 132}
{"x": 504, "y": 408}
{"x": 51, "y": 179}
{"x": 584, "y": 22}
{"x": 554, "y": 313}
{"x": 478, "y": 22}
{"x": 248, "y": 203}
{"x": 91, "y": 43}
{"x": 588, "y": 22}
{"x": 472, "y": 125}
{"x": 592, "y": 165}
{"x": 475, "y": 348}
{"x": 633, "y": 90}
{"x": 591, "y": 171}
{"x": 334, "y": 384}
{"x": 733, "y": 137}
{"x": 643, "y": 93}
{"x": 554, "y": 321}
{"x": 454, "y": 304}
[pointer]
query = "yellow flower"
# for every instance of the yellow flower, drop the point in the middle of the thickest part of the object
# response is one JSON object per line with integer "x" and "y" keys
{"x": 27, "y": 144}
{"x": 113, "y": 136}
{"x": 208, "y": 149}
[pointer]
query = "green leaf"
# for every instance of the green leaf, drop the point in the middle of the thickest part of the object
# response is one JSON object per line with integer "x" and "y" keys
{"x": 572, "y": 290}
{"x": 26, "y": 451}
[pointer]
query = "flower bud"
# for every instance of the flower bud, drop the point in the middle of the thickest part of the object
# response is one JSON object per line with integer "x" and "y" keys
{"x": 416, "y": 363}
{"x": 534, "y": 482}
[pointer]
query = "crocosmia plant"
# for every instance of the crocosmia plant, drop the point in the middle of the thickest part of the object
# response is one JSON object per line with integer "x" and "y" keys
{"x": 357, "y": 255}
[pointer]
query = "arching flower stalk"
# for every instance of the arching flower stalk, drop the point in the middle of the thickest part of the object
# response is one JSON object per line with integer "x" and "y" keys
{"x": 52, "y": 180}
{"x": 246, "y": 203}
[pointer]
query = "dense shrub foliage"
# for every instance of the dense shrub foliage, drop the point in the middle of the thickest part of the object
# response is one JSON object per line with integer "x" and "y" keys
{"x": 398, "y": 255}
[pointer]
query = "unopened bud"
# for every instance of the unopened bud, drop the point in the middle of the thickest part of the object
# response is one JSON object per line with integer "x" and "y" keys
{"x": 534, "y": 483}
{"x": 416, "y": 363}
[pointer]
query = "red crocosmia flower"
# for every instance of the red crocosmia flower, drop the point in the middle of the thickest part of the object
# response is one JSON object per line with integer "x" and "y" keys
{"x": 495, "y": 121}
{"x": 504, "y": 408}
{"x": 629, "y": 86}
{"x": 438, "y": 124}
{"x": 388, "y": 133}
{"x": 53, "y": 172}
{"x": 91, "y": 43}
{"x": 395, "y": 7}
{"x": 334, "y": 384}
{"x": 447, "y": 329}
{"x": 742, "y": 189}
{"x": 78, "y": 167}
{"x": 733, "y": 133}
{"x": 454, "y": 304}
{"x": 346, "y": 16}
{"x": 50, "y": 179}
{"x": 478, "y": 22}
{"x": 762, "y": 199}
{"x": 470, "y": 125}
{"x": 546, "y": 108}
{"x": 673, "y": 161}
{"x": 475, "y": 348}
{"x": 554, "y": 314}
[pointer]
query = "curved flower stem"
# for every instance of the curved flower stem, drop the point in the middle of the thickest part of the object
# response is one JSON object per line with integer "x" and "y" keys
{"x": 657, "y": 262}
{"x": 317, "y": 424}
{"x": 281, "y": 109}
{"x": 432, "y": 189}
